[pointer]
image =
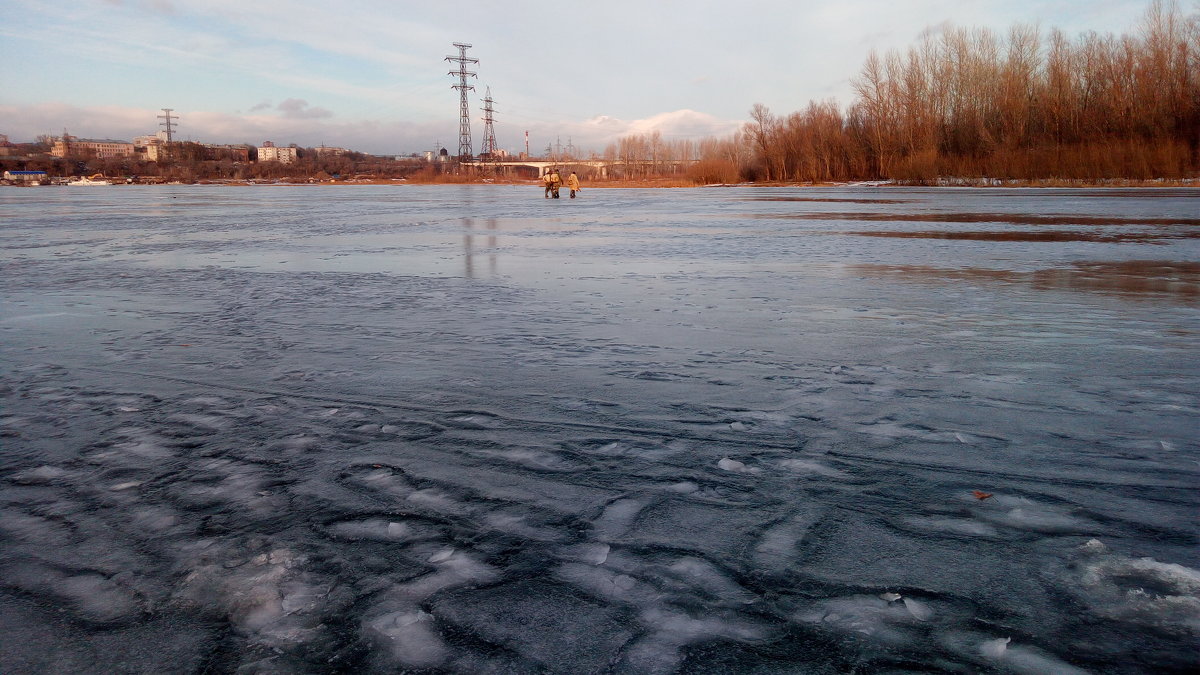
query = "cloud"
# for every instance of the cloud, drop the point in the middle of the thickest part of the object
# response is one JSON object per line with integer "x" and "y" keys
{"x": 298, "y": 109}
{"x": 265, "y": 105}
{"x": 684, "y": 123}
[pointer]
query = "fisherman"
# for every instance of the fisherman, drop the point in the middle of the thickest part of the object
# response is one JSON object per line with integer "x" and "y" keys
{"x": 548, "y": 181}
{"x": 555, "y": 182}
{"x": 573, "y": 184}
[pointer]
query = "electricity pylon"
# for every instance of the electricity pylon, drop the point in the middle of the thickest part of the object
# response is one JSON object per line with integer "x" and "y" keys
{"x": 464, "y": 113}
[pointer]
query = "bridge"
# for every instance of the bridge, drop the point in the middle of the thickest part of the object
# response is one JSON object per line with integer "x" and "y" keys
{"x": 600, "y": 167}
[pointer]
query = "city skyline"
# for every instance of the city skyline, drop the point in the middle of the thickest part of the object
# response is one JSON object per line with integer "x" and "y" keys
{"x": 372, "y": 77}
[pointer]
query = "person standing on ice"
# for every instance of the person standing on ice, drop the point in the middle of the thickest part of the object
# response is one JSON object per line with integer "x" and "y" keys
{"x": 548, "y": 181}
{"x": 573, "y": 184}
{"x": 555, "y": 182}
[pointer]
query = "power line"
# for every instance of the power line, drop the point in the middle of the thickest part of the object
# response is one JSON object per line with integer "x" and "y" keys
{"x": 464, "y": 113}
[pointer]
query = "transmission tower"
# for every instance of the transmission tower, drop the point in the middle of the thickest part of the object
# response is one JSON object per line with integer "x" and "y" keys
{"x": 168, "y": 123}
{"x": 489, "y": 132}
{"x": 464, "y": 114}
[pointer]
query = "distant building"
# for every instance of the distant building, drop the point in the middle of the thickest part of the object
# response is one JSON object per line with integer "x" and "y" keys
{"x": 25, "y": 176}
{"x": 149, "y": 148}
{"x": 71, "y": 146}
{"x": 267, "y": 152}
{"x": 325, "y": 150}
{"x": 232, "y": 153}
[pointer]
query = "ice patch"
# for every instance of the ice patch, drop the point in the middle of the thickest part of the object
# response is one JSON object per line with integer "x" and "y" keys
{"x": 380, "y": 529}
{"x": 1144, "y": 591}
{"x": 408, "y": 636}
{"x": 686, "y": 487}
{"x": 90, "y": 596}
{"x": 1024, "y": 514}
{"x": 671, "y": 630}
{"x": 268, "y": 598}
{"x": 871, "y": 616}
{"x": 807, "y": 466}
{"x": 607, "y": 585}
{"x": 617, "y": 518}
{"x": 953, "y": 526}
{"x": 705, "y": 578}
{"x": 42, "y": 475}
{"x": 778, "y": 547}
{"x": 994, "y": 649}
{"x": 1024, "y": 660}
{"x": 919, "y": 610}
{"x": 593, "y": 554}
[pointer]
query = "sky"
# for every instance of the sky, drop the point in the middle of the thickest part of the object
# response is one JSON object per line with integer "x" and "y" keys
{"x": 370, "y": 75}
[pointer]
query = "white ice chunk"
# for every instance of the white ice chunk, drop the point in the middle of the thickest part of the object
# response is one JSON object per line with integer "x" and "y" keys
{"x": 890, "y": 597}
{"x": 734, "y": 466}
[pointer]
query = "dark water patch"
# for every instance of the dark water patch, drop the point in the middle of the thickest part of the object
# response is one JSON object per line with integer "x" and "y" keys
{"x": 1011, "y": 218}
{"x": 1031, "y": 236}
{"x": 1176, "y": 280}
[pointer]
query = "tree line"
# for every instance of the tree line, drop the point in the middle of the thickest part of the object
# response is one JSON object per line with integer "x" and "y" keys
{"x": 972, "y": 103}
{"x": 188, "y": 161}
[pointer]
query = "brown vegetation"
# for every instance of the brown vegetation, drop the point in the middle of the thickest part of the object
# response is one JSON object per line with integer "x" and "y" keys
{"x": 972, "y": 104}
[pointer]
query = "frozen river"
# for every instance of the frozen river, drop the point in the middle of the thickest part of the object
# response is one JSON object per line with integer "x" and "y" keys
{"x": 467, "y": 429}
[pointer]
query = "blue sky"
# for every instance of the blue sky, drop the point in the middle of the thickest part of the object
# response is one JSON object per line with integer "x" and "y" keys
{"x": 370, "y": 75}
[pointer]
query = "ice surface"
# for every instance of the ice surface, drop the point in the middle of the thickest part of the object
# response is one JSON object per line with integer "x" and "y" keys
{"x": 450, "y": 429}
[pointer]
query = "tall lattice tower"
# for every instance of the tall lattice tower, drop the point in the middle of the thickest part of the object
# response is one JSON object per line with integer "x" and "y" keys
{"x": 169, "y": 124}
{"x": 464, "y": 113}
{"x": 489, "y": 132}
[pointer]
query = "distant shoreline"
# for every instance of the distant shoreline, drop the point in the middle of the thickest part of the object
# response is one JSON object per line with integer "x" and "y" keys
{"x": 673, "y": 184}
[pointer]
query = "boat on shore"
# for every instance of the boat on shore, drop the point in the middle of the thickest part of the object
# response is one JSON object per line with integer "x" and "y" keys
{"x": 94, "y": 179}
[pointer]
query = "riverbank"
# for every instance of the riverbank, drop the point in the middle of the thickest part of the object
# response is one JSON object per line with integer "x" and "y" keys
{"x": 644, "y": 183}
